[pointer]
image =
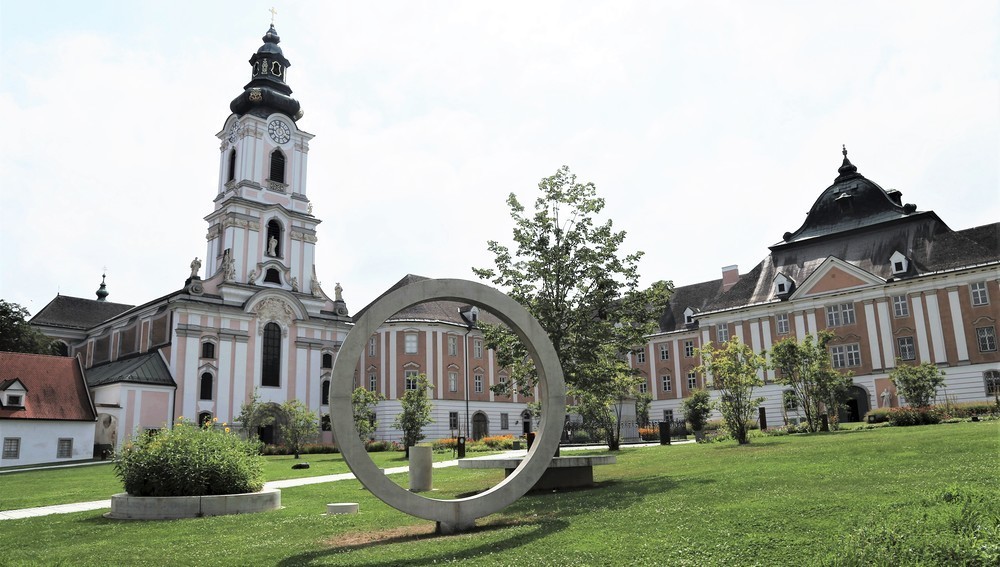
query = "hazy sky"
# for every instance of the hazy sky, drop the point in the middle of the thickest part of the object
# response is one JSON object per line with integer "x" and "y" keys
{"x": 709, "y": 127}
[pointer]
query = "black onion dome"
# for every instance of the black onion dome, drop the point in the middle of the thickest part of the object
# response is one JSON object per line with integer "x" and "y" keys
{"x": 267, "y": 91}
{"x": 853, "y": 201}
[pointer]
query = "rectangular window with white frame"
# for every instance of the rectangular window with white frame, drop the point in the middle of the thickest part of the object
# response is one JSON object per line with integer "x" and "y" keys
{"x": 692, "y": 380}
{"x": 643, "y": 387}
{"x": 906, "y": 348}
{"x": 900, "y": 307}
{"x": 372, "y": 346}
{"x": 987, "y": 338}
{"x": 453, "y": 420}
{"x": 840, "y": 314}
{"x": 666, "y": 384}
{"x": 688, "y": 349}
{"x": 640, "y": 356}
{"x": 478, "y": 383}
{"x": 504, "y": 421}
{"x": 722, "y": 333}
{"x": 845, "y": 356}
{"x": 410, "y": 343}
{"x": 64, "y": 449}
{"x": 781, "y": 323}
{"x": 980, "y": 296}
{"x": 11, "y": 447}
{"x": 411, "y": 379}
{"x": 668, "y": 415}
{"x": 453, "y": 381}
{"x": 452, "y": 346}
{"x": 665, "y": 351}
{"x": 372, "y": 382}
{"x": 477, "y": 348}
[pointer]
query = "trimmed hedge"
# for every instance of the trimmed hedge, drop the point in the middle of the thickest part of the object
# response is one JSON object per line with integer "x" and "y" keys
{"x": 188, "y": 460}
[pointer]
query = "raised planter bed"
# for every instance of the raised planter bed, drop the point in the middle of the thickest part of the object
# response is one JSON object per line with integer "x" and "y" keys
{"x": 126, "y": 507}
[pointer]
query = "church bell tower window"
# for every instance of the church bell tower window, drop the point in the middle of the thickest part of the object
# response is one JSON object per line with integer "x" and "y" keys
{"x": 270, "y": 368}
{"x": 274, "y": 238}
{"x": 232, "y": 166}
{"x": 277, "y": 166}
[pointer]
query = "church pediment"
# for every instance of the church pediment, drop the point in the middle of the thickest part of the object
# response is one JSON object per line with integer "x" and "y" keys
{"x": 835, "y": 275}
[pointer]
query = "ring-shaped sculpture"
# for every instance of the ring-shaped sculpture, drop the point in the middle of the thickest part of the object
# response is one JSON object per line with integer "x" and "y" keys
{"x": 459, "y": 514}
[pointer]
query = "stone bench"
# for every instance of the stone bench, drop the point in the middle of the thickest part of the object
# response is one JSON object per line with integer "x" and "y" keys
{"x": 563, "y": 472}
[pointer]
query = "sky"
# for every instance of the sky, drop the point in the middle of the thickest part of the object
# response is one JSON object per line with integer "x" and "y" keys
{"x": 709, "y": 127}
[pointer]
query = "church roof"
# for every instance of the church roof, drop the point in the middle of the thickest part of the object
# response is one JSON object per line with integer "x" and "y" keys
{"x": 147, "y": 368}
{"x": 696, "y": 296}
{"x": 55, "y": 389}
{"x": 267, "y": 91}
{"x": 442, "y": 311}
{"x": 77, "y": 313}
{"x": 852, "y": 202}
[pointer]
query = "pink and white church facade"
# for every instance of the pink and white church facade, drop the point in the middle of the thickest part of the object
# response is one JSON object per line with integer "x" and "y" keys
{"x": 253, "y": 316}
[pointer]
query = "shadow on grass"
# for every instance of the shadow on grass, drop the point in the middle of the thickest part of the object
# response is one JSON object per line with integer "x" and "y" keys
{"x": 539, "y": 528}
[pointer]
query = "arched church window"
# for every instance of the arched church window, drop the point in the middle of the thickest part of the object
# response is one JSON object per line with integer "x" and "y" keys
{"x": 232, "y": 165}
{"x": 326, "y": 393}
{"x": 206, "y": 387}
{"x": 272, "y": 276}
{"x": 277, "y": 166}
{"x": 274, "y": 238}
{"x": 327, "y": 360}
{"x": 204, "y": 418}
{"x": 270, "y": 367}
{"x": 207, "y": 350}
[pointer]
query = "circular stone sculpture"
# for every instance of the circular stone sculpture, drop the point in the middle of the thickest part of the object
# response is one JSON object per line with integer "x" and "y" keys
{"x": 459, "y": 514}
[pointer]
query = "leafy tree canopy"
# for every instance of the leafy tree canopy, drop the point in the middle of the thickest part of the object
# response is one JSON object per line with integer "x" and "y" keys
{"x": 805, "y": 368}
{"x": 919, "y": 383}
{"x": 734, "y": 368}
{"x": 16, "y": 335}
{"x": 414, "y": 414}
{"x": 569, "y": 272}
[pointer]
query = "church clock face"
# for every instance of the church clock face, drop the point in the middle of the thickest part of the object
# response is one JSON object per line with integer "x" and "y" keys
{"x": 279, "y": 131}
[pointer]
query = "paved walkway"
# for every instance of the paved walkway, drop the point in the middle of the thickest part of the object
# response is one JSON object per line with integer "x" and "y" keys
{"x": 287, "y": 483}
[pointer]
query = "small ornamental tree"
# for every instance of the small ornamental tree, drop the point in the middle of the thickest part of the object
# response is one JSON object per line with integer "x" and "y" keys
{"x": 918, "y": 384}
{"x": 805, "y": 368}
{"x": 697, "y": 408}
{"x": 299, "y": 427}
{"x": 642, "y": 403}
{"x": 414, "y": 414}
{"x": 188, "y": 460}
{"x": 734, "y": 369}
{"x": 254, "y": 415}
{"x": 364, "y": 401}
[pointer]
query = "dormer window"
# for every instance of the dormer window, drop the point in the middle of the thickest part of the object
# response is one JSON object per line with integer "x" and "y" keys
{"x": 783, "y": 285}
{"x": 15, "y": 400}
{"x": 900, "y": 264}
{"x": 689, "y": 316}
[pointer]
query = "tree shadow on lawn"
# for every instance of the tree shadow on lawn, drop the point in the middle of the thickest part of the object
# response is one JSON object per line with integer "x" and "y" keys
{"x": 557, "y": 506}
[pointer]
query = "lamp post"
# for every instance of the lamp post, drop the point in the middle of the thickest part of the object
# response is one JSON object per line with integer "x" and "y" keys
{"x": 471, "y": 317}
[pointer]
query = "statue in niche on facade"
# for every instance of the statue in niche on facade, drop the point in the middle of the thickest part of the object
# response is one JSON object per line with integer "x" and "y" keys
{"x": 338, "y": 292}
{"x": 272, "y": 247}
{"x": 886, "y": 398}
{"x": 195, "y": 266}
{"x": 228, "y": 267}
{"x": 295, "y": 283}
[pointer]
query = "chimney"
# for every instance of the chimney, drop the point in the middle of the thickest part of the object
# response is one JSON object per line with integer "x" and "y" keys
{"x": 730, "y": 275}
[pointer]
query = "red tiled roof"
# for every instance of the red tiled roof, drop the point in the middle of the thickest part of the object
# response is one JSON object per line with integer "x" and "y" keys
{"x": 56, "y": 389}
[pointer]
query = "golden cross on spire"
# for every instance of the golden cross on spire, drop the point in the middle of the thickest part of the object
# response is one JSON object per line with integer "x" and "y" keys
{"x": 273, "y": 14}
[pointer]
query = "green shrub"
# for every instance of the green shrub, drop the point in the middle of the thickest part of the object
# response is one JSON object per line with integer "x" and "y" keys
{"x": 188, "y": 460}
{"x": 499, "y": 442}
{"x": 380, "y": 446}
{"x": 878, "y": 415}
{"x": 580, "y": 436}
{"x": 307, "y": 449}
{"x": 447, "y": 444}
{"x": 969, "y": 409}
{"x": 916, "y": 416}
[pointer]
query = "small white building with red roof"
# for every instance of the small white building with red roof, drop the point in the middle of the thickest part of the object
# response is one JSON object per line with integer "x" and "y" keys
{"x": 46, "y": 415}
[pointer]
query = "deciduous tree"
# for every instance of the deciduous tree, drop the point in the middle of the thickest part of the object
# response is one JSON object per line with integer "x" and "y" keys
{"x": 697, "y": 408}
{"x": 363, "y": 402}
{"x": 16, "y": 334}
{"x": 734, "y": 372}
{"x": 414, "y": 414}
{"x": 917, "y": 383}
{"x": 568, "y": 271}
{"x": 254, "y": 415}
{"x": 299, "y": 425}
{"x": 805, "y": 368}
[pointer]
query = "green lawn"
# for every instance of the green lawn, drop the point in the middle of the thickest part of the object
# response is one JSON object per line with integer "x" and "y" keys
{"x": 98, "y": 482}
{"x": 903, "y": 496}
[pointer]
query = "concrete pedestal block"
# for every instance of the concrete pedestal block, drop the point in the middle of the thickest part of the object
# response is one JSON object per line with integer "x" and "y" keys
{"x": 126, "y": 507}
{"x": 420, "y": 468}
{"x": 342, "y": 508}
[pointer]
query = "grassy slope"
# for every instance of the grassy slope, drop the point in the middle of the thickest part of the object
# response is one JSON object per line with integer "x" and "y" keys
{"x": 782, "y": 500}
